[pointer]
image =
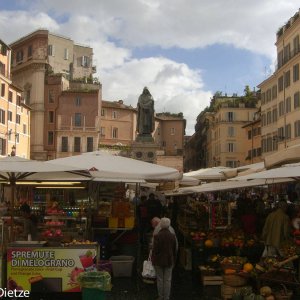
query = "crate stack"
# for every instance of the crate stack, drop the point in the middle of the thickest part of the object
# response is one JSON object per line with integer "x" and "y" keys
{"x": 233, "y": 280}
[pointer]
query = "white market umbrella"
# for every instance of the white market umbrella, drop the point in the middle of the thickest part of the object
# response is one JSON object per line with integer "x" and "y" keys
{"x": 215, "y": 173}
{"x": 286, "y": 171}
{"x": 14, "y": 169}
{"x": 106, "y": 167}
{"x": 189, "y": 181}
{"x": 228, "y": 185}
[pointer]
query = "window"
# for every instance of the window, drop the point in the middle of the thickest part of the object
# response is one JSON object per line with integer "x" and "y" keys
{"x": 230, "y": 147}
{"x": 27, "y": 96}
{"x": 286, "y": 53}
{"x": 17, "y": 136}
{"x": 10, "y": 96}
{"x": 102, "y": 131}
{"x": 259, "y": 128}
{"x": 102, "y": 112}
{"x": 78, "y": 101}
{"x": 3, "y": 90}
{"x": 9, "y": 115}
{"x": 281, "y": 108}
{"x": 274, "y": 92}
{"x": 269, "y": 144}
{"x": 114, "y": 114}
{"x": 296, "y": 72}
{"x": 287, "y": 79}
{"x": 29, "y": 51}
{"x": 280, "y": 58}
{"x": 230, "y": 131}
{"x": 50, "y": 96}
{"x": 19, "y": 57}
{"x": 24, "y": 129}
{"x": 296, "y": 44}
{"x": 18, "y": 119}
{"x": 280, "y": 133}
{"x": 263, "y": 98}
{"x": 64, "y": 144}
{"x": 297, "y": 128}
{"x": 115, "y": 133}
{"x": 77, "y": 142}
{"x": 254, "y": 152}
{"x": 288, "y": 105}
{"x": 3, "y": 50}
{"x": 2, "y": 146}
{"x": 280, "y": 84}
{"x": 85, "y": 61}
{"x": 18, "y": 100}
{"x": 258, "y": 151}
{"x": 263, "y": 119}
{"x": 269, "y": 95}
{"x": 249, "y": 153}
{"x": 51, "y": 116}
{"x": 230, "y": 116}
{"x": 89, "y": 144}
{"x": 296, "y": 100}
{"x": 249, "y": 134}
{"x": 77, "y": 119}
{"x": 50, "y": 137}
{"x": 232, "y": 164}
{"x": 172, "y": 131}
{"x": 288, "y": 133}
{"x": 2, "y": 116}
{"x": 2, "y": 68}
{"x": 269, "y": 117}
{"x": 51, "y": 50}
{"x": 274, "y": 115}
{"x": 66, "y": 54}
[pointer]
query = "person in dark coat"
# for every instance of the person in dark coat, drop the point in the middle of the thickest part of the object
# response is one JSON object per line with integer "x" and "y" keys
{"x": 163, "y": 258}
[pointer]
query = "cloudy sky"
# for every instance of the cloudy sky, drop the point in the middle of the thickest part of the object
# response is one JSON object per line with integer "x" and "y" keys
{"x": 182, "y": 50}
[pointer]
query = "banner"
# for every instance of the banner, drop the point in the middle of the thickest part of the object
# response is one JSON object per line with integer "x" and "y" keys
{"x": 48, "y": 269}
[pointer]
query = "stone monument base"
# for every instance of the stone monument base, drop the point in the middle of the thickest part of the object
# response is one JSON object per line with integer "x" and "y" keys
{"x": 144, "y": 138}
{"x": 144, "y": 150}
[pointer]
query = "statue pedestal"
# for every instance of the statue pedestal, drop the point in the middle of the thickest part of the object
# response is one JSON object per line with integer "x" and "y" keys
{"x": 144, "y": 149}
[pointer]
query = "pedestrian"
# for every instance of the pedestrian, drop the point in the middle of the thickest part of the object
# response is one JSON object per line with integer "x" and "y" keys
{"x": 29, "y": 223}
{"x": 163, "y": 258}
{"x": 277, "y": 230}
{"x": 154, "y": 207}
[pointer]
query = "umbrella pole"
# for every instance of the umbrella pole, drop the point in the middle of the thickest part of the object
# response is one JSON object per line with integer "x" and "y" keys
{"x": 12, "y": 207}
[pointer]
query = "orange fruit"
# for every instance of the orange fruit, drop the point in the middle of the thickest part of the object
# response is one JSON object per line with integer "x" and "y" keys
{"x": 247, "y": 267}
{"x": 208, "y": 243}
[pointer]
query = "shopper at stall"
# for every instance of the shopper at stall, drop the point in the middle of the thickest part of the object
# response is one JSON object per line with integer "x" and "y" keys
{"x": 29, "y": 223}
{"x": 154, "y": 207}
{"x": 277, "y": 230}
{"x": 163, "y": 258}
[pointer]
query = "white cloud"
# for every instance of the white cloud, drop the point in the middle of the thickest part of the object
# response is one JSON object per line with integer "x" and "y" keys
{"x": 175, "y": 87}
{"x": 114, "y": 28}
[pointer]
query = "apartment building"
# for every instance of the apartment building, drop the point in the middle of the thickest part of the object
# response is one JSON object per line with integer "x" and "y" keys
{"x": 220, "y": 138}
{"x": 228, "y": 136}
{"x": 280, "y": 93}
{"x": 253, "y": 140}
{"x": 37, "y": 57}
{"x": 118, "y": 124}
{"x": 14, "y": 113}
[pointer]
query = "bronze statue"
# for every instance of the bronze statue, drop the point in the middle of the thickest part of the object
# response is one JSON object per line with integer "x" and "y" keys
{"x": 145, "y": 118}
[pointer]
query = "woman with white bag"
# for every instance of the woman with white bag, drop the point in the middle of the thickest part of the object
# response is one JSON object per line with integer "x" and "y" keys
{"x": 163, "y": 258}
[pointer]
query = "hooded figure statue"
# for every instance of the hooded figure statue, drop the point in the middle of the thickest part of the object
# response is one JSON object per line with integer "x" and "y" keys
{"x": 145, "y": 117}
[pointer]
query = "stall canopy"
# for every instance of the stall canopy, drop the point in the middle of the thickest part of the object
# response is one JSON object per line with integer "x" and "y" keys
{"x": 14, "y": 169}
{"x": 215, "y": 173}
{"x": 189, "y": 181}
{"x": 286, "y": 171}
{"x": 245, "y": 170}
{"x": 284, "y": 156}
{"x": 228, "y": 185}
{"x": 107, "y": 167}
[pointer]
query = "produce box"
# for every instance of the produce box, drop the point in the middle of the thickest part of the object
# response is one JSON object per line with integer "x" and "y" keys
{"x": 212, "y": 285}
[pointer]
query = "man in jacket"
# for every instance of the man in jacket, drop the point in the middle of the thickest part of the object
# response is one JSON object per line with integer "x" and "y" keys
{"x": 276, "y": 230}
{"x": 163, "y": 258}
